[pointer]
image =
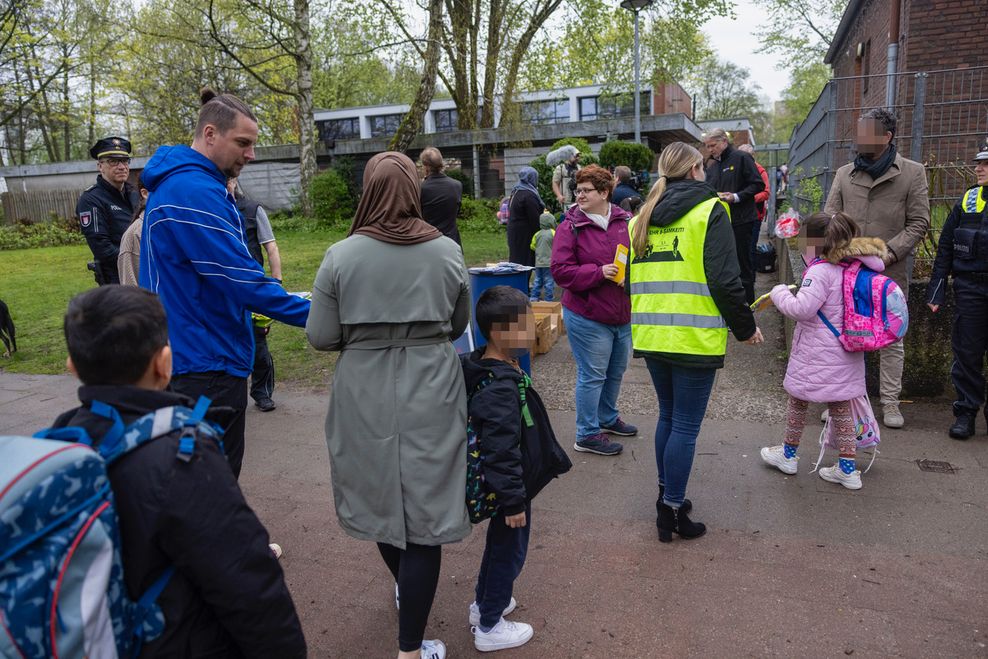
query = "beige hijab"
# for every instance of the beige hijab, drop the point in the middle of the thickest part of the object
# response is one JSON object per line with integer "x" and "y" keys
{"x": 390, "y": 209}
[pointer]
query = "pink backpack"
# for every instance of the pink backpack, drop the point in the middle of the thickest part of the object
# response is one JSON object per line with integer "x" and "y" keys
{"x": 504, "y": 210}
{"x": 875, "y": 310}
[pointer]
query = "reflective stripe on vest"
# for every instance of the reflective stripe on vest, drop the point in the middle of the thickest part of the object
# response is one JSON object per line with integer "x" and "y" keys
{"x": 974, "y": 201}
{"x": 671, "y": 306}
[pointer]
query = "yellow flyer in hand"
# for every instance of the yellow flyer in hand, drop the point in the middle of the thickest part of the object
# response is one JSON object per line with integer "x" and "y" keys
{"x": 621, "y": 261}
{"x": 765, "y": 301}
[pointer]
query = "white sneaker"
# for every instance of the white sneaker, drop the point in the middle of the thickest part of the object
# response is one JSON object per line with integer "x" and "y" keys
{"x": 434, "y": 649}
{"x": 504, "y": 635}
{"x": 397, "y": 600}
{"x": 891, "y": 416}
{"x": 775, "y": 456}
{"x": 275, "y": 549}
{"x": 835, "y": 474}
{"x": 475, "y": 611}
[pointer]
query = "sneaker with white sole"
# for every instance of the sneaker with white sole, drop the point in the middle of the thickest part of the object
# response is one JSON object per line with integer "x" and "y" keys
{"x": 475, "y": 611}
{"x": 835, "y": 474}
{"x": 397, "y": 599}
{"x": 891, "y": 416}
{"x": 434, "y": 649}
{"x": 505, "y": 634}
{"x": 776, "y": 456}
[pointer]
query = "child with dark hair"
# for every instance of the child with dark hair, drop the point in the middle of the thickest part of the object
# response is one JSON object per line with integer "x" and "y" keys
{"x": 228, "y": 595}
{"x": 520, "y": 456}
{"x": 819, "y": 369}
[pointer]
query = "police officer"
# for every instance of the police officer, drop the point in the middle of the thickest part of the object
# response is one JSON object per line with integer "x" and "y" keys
{"x": 963, "y": 253}
{"x": 106, "y": 209}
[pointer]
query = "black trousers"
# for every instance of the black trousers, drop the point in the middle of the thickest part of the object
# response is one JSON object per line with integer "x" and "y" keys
{"x": 227, "y": 391}
{"x": 416, "y": 571}
{"x": 742, "y": 243}
{"x": 969, "y": 341}
{"x": 262, "y": 379}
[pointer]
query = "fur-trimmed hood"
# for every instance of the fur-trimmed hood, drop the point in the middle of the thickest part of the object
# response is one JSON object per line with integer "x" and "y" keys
{"x": 860, "y": 247}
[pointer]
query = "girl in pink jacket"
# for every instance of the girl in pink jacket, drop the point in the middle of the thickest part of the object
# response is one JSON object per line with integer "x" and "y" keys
{"x": 820, "y": 370}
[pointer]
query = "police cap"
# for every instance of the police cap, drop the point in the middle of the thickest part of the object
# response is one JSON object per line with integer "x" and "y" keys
{"x": 111, "y": 147}
{"x": 982, "y": 152}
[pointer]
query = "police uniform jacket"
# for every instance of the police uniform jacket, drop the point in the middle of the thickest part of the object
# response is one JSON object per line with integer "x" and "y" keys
{"x": 104, "y": 214}
{"x": 963, "y": 247}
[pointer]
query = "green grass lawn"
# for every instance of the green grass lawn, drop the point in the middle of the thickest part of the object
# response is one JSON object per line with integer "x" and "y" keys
{"x": 37, "y": 284}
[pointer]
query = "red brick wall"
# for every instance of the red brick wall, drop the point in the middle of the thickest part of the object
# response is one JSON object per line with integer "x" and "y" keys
{"x": 944, "y": 34}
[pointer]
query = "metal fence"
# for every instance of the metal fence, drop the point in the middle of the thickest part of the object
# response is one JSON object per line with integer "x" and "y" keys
{"x": 942, "y": 119}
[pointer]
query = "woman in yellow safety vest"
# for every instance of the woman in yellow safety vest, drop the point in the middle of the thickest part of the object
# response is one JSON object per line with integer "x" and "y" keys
{"x": 686, "y": 292}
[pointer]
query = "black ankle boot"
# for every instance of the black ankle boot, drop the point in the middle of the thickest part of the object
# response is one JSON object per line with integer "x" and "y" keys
{"x": 672, "y": 520}
{"x": 687, "y": 504}
{"x": 963, "y": 426}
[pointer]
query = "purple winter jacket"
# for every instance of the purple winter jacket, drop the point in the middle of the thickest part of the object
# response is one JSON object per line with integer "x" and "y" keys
{"x": 577, "y": 265}
{"x": 819, "y": 369}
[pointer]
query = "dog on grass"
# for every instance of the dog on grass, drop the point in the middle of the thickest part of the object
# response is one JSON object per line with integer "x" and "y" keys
{"x": 7, "y": 334}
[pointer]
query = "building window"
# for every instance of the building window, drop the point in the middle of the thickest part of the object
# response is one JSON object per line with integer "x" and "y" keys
{"x": 446, "y": 120}
{"x": 385, "y": 125}
{"x": 546, "y": 112}
{"x": 608, "y": 106}
{"x": 340, "y": 129}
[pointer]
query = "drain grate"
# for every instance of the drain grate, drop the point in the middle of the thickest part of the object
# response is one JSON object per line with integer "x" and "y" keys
{"x": 936, "y": 466}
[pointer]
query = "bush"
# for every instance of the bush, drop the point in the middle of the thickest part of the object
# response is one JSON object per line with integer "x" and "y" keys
{"x": 479, "y": 215}
{"x": 467, "y": 181}
{"x": 333, "y": 202}
{"x": 636, "y": 156}
{"x": 25, "y": 235}
{"x": 545, "y": 172}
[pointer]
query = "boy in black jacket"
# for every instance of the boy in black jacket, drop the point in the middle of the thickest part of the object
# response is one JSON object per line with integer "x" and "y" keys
{"x": 520, "y": 456}
{"x": 227, "y": 597}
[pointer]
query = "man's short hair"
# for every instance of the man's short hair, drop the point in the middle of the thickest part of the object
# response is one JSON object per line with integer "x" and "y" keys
{"x": 717, "y": 134}
{"x": 747, "y": 148}
{"x": 623, "y": 173}
{"x": 885, "y": 117}
{"x": 220, "y": 110}
{"x": 113, "y": 332}
{"x": 499, "y": 305}
{"x": 432, "y": 159}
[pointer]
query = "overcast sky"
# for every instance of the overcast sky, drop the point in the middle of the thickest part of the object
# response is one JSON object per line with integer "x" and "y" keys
{"x": 735, "y": 41}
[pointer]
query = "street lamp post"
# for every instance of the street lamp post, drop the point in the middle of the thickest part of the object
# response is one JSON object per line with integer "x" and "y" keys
{"x": 636, "y": 6}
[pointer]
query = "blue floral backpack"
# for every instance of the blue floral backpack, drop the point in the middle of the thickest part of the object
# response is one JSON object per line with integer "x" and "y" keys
{"x": 62, "y": 589}
{"x": 482, "y": 504}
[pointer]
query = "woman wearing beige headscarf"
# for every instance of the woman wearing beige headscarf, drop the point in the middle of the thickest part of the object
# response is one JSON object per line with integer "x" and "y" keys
{"x": 390, "y": 297}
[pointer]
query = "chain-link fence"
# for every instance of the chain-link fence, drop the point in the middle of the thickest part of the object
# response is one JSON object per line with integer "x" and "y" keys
{"x": 942, "y": 119}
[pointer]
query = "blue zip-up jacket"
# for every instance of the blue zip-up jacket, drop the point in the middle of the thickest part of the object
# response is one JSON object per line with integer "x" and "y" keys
{"x": 194, "y": 256}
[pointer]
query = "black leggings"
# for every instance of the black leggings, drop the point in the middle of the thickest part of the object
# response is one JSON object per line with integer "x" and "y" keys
{"x": 416, "y": 569}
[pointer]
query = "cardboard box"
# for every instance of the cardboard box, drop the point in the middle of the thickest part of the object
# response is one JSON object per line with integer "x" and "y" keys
{"x": 554, "y": 309}
{"x": 546, "y": 332}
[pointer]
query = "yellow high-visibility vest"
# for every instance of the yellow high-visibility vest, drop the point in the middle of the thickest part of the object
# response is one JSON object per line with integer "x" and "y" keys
{"x": 671, "y": 307}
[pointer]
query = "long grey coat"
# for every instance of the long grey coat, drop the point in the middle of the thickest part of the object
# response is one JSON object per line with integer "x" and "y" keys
{"x": 396, "y": 427}
{"x": 895, "y": 208}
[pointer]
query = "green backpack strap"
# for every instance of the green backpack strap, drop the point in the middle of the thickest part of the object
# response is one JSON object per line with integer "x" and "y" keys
{"x": 523, "y": 386}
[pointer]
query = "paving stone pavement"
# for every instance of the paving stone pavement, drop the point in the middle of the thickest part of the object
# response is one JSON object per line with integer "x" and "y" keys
{"x": 790, "y": 566}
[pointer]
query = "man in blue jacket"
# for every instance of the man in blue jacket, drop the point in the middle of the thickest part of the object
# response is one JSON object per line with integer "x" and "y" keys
{"x": 194, "y": 255}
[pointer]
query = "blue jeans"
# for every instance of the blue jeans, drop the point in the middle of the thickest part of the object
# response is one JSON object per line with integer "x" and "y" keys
{"x": 683, "y": 394}
{"x": 543, "y": 280}
{"x": 601, "y": 355}
{"x": 504, "y": 557}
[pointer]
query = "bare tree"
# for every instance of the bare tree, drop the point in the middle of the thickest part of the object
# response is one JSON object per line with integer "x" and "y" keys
{"x": 411, "y": 123}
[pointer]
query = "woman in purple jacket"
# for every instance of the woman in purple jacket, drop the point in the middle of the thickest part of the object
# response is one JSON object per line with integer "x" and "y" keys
{"x": 597, "y": 309}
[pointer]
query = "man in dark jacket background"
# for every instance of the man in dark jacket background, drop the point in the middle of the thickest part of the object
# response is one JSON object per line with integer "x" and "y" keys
{"x": 228, "y": 596}
{"x": 106, "y": 209}
{"x": 736, "y": 179}
{"x": 441, "y": 195}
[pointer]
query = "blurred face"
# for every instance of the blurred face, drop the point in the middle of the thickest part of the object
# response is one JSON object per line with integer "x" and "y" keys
{"x": 715, "y": 146}
{"x": 871, "y": 138}
{"x": 114, "y": 170}
{"x": 516, "y": 336}
{"x": 981, "y": 172}
{"x": 232, "y": 150}
{"x": 810, "y": 246}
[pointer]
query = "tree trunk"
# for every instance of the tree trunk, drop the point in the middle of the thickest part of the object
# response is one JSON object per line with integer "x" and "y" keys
{"x": 306, "y": 124}
{"x": 411, "y": 123}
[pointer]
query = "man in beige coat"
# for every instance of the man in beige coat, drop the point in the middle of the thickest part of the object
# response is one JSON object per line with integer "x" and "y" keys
{"x": 886, "y": 195}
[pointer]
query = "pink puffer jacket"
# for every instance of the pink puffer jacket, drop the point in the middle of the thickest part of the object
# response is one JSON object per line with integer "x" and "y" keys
{"x": 820, "y": 370}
